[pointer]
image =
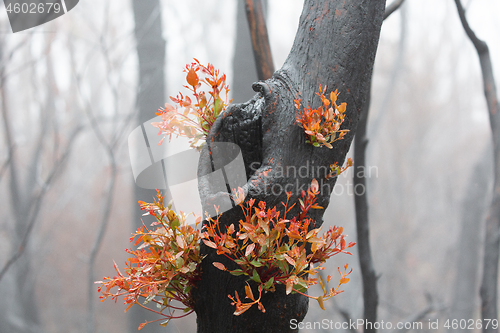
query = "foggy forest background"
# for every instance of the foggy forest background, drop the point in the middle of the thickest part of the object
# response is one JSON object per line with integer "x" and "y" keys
{"x": 69, "y": 101}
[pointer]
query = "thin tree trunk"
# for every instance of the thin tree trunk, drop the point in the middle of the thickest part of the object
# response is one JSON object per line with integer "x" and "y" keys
{"x": 260, "y": 39}
{"x": 474, "y": 206}
{"x": 369, "y": 278}
{"x": 368, "y": 275}
{"x": 244, "y": 67}
{"x": 335, "y": 46}
{"x": 150, "y": 97}
{"x": 489, "y": 284}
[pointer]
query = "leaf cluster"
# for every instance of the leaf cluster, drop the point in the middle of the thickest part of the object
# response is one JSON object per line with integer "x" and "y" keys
{"x": 267, "y": 248}
{"x": 270, "y": 249}
{"x": 192, "y": 117}
{"x": 322, "y": 125}
{"x": 336, "y": 170}
{"x": 164, "y": 267}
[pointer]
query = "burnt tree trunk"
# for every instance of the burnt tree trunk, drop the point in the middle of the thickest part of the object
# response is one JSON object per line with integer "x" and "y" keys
{"x": 335, "y": 45}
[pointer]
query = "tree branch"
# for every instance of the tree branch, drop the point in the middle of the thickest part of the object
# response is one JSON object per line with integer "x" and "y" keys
{"x": 6, "y": 164}
{"x": 489, "y": 284}
{"x": 37, "y": 202}
{"x": 260, "y": 40}
{"x": 392, "y": 8}
{"x": 431, "y": 307}
{"x": 109, "y": 147}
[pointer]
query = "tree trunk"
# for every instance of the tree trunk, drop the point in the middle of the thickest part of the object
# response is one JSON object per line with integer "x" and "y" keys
{"x": 489, "y": 283}
{"x": 244, "y": 69}
{"x": 335, "y": 46}
{"x": 474, "y": 206}
{"x": 150, "y": 97}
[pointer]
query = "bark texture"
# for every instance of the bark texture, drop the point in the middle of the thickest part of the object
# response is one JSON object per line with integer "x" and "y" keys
{"x": 335, "y": 46}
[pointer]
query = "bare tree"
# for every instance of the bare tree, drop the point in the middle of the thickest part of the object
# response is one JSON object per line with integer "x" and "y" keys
{"x": 27, "y": 192}
{"x": 260, "y": 39}
{"x": 109, "y": 144}
{"x": 489, "y": 284}
{"x": 150, "y": 96}
{"x": 244, "y": 66}
{"x": 466, "y": 285}
{"x": 335, "y": 46}
{"x": 369, "y": 277}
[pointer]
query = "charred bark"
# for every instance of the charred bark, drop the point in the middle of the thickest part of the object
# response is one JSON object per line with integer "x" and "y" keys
{"x": 335, "y": 46}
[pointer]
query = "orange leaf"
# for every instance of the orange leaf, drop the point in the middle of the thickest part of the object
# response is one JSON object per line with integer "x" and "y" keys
{"x": 209, "y": 244}
{"x": 289, "y": 286}
{"x": 129, "y": 306}
{"x": 320, "y": 302}
{"x": 333, "y": 96}
{"x": 192, "y": 78}
{"x": 342, "y": 107}
{"x": 249, "y": 249}
{"x": 314, "y": 186}
{"x": 242, "y": 308}
{"x": 289, "y": 259}
{"x": 249, "y": 293}
{"x": 219, "y": 266}
{"x": 322, "y": 283}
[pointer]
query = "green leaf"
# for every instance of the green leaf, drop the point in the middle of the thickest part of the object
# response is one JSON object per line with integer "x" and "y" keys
{"x": 256, "y": 277}
{"x": 269, "y": 283}
{"x": 218, "y": 106}
{"x": 283, "y": 266}
{"x": 239, "y": 262}
{"x": 175, "y": 223}
{"x": 256, "y": 263}
{"x": 279, "y": 257}
{"x": 179, "y": 262}
{"x": 300, "y": 288}
{"x": 237, "y": 272}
